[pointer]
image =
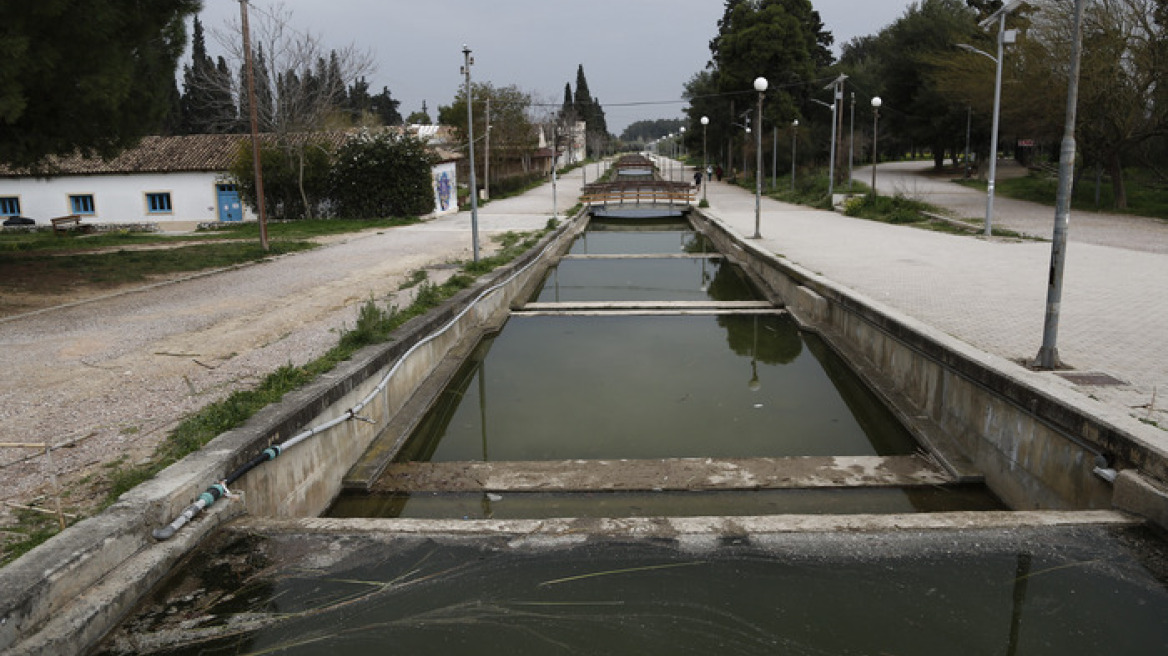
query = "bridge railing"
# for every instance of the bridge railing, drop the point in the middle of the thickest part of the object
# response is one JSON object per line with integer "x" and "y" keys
{"x": 660, "y": 193}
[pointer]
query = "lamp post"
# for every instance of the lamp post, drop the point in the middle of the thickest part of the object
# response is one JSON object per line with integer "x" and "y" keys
{"x": 680, "y": 154}
{"x": 831, "y": 159}
{"x": 760, "y": 85}
{"x": 705, "y": 158}
{"x": 876, "y": 102}
{"x": 468, "y": 61}
{"x": 794, "y": 144}
{"x": 1004, "y": 36}
{"x": 1048, "y": 354}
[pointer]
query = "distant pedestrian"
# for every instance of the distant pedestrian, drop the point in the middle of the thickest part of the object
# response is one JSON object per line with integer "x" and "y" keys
{"x": 698, "y": 179}
{"x": 718, "y": 172}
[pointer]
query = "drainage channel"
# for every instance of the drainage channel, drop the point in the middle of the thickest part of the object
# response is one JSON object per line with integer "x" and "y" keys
{"x": 651, "y": 457}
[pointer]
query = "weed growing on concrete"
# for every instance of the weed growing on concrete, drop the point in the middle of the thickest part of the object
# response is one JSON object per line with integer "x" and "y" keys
{"x": 31, "y": 529}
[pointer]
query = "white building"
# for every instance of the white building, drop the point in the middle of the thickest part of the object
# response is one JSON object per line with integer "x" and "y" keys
{"x": 162, "y": 180}
{"x": 172, "y": 182}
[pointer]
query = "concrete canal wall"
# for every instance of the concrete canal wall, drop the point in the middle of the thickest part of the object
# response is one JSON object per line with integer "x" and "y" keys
{"x": 1036, "y": 443}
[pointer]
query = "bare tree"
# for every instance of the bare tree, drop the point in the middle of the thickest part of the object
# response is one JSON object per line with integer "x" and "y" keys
{"x": 300, "y": 84}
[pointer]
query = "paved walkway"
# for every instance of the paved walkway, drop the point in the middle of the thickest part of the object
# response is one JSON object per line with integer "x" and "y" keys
{"x": 992, "y": 293}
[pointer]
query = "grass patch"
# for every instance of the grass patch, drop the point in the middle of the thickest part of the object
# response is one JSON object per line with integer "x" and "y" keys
{"x": 31, "y": 529}
{"x": 1145, "y": 195}
{"x": 897, "y": 209}
{"x": 810, "y": 190}
{"x": 305, "y": 228}
{"x": 416, "y": 278}
{"x": 47, "y": 241}
{"x": 50, "y": 274}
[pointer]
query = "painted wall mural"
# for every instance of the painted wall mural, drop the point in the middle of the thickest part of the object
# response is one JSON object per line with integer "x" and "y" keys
{"x": 445, "y": 196}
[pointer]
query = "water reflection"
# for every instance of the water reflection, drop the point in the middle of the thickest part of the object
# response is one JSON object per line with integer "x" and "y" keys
{"x": 645, "y": 279}
{"x": 649, "y": 387}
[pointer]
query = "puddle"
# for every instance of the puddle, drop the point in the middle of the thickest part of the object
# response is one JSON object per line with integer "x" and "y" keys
{"x": 665, "y": 504}
{"x": 1026, "y": 592}
{"x": 586, "y": 387}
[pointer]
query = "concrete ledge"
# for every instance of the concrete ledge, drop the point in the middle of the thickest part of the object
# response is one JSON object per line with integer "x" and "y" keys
{"x": 672, "y": 527}
{"x": 674, "y": 306}
{"x": 673, "y": 474}
{"x": 1136, "y": 494}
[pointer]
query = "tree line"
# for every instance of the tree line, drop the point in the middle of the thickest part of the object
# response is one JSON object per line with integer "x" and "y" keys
{"x": 933, "y": 91}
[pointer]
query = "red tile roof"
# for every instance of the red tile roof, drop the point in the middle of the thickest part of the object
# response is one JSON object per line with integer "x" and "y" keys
{"x": 189, "y": 153}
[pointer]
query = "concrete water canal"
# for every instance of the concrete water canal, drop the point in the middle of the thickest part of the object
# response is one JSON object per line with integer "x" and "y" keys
{"x": 975, "y": 520}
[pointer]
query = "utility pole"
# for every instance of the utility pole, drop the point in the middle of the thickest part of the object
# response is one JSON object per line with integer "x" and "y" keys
{"x": 1048, "y": 354}
{"x": 255, "y": 129}
{"x": 836, "y": 119}
{"x": 487, "y": 157}
{"x": 968, "y": 125}
{"x": 775, "y": 156}
{"x": 852, "y": 140}
{"x": 468, "y": 61}
{"x": 555, "y": 156}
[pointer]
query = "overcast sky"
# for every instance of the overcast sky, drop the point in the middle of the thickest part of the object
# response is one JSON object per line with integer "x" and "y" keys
{"x": 637, "y": 54}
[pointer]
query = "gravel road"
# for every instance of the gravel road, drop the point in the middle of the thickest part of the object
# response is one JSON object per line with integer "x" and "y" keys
{"x": 107, "y": 378}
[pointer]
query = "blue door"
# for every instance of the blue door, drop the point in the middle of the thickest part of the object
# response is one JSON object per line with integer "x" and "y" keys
{"x": 230, "y": 209}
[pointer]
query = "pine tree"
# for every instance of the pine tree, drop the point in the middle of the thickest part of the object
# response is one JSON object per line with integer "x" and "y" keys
{"x": 385, "y": 108}
{"x": 88, "y": 76}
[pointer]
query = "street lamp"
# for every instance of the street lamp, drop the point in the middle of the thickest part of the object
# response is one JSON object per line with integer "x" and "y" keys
{"x": 705, "y": 158}
{"x": 876, "y": 102}
{"x": 794, "y": 143}
{"x": 680, "y": 154}
{"x": 1004, "y": 36}
{"x": 474, "y": 194}
{"x": 760, "y": 85}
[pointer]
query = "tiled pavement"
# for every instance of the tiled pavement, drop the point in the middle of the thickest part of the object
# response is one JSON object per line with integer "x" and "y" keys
{"x": 991, "y": 293}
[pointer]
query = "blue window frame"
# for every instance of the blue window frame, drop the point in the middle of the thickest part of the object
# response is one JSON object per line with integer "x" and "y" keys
{"x": 81, "y": 204}
{"x": 9, "y": 206}
{"x": 158, "y": 203}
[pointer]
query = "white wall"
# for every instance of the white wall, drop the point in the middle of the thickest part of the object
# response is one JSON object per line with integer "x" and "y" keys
{"x": 119, "y": 198}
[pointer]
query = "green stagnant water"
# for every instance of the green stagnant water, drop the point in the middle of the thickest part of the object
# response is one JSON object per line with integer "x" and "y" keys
{"x": 661, "y": 238}
{"x": 1024, "y": 592}
{"x": 645, "y": 279}
{"x": 604, "y": 387}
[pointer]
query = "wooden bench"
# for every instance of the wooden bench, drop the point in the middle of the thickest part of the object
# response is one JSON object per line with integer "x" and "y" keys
{"x": 66, "y": 223}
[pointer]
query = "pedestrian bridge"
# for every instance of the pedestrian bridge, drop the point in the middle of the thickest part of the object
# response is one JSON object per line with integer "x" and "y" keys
{"x": 636, "y": 191}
